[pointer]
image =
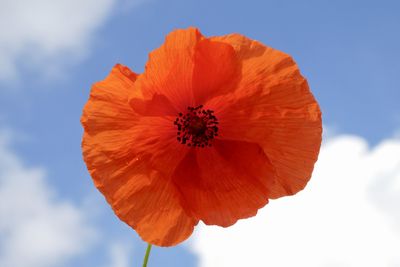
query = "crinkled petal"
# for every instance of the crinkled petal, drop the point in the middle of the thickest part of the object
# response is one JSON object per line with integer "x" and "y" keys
{"x": 216, "y": 70}
{"x": 272, "y": 106}
{"x": 226, "y": 182}
{"x": 185, "y": 71}
{"x": 169, "y": 70}
{"x": 140, "y": 197}
{"x": 107, "y": 108}
{"x": 130, "y": 158}
{"x": 158, "y": 105}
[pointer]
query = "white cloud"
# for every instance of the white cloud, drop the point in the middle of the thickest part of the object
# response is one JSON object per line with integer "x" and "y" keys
{"x": 119, "y": 255}
{"x": 37, "y": 229}
{"x": 45, "y": 35}
{"x": 348, "y": 215}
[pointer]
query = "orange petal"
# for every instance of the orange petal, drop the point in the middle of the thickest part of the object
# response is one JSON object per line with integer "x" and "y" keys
{"x": 129, "y": 158}
{"x": 140, "y": 197}
{"x": 216, "y": 70}
{"x": 185, "y": 71}
{"x": 224, "y": 183}
{"x": 169, "y": 69}
{"x": 107, "y": 107}
{"x": 158, "y": 105}
{"x": 272, "y": 106}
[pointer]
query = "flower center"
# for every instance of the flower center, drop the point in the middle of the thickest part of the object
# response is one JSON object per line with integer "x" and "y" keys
{"x": 197, "y": 127}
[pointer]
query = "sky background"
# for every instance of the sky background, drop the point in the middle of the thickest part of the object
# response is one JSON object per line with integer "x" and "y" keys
{"x": 51, "y": 51}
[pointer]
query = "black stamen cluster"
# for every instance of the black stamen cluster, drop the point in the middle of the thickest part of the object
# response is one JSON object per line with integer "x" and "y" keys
{"x": 197, "y": 127}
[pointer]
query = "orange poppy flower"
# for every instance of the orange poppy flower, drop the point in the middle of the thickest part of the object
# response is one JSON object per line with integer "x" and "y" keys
{"x": 211, "y": 130}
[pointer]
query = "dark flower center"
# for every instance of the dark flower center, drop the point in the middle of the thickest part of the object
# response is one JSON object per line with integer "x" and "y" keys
{"x": 197, "y": 127}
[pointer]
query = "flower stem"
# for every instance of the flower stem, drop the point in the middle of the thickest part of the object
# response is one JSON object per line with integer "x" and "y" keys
{"x": 146, "y": 257}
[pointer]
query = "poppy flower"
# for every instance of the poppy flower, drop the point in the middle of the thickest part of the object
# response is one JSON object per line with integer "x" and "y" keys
{"x": 211, "y": 130}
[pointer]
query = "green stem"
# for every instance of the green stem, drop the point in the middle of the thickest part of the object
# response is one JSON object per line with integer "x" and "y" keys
{"x": 146, "y": 257}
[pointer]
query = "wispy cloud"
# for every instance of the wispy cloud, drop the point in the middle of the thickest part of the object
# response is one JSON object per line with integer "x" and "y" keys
{"x": 37, "y": 227}
{"x": 119, "y": 255}
{"x": 347, "y": 216}
{"x": 45, "y": 35}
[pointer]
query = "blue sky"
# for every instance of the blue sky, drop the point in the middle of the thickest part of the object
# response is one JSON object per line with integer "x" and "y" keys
{"x": 348, "y": 51}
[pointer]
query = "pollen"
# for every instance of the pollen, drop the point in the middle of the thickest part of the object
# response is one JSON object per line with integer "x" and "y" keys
{"x": 197, "y": 128}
